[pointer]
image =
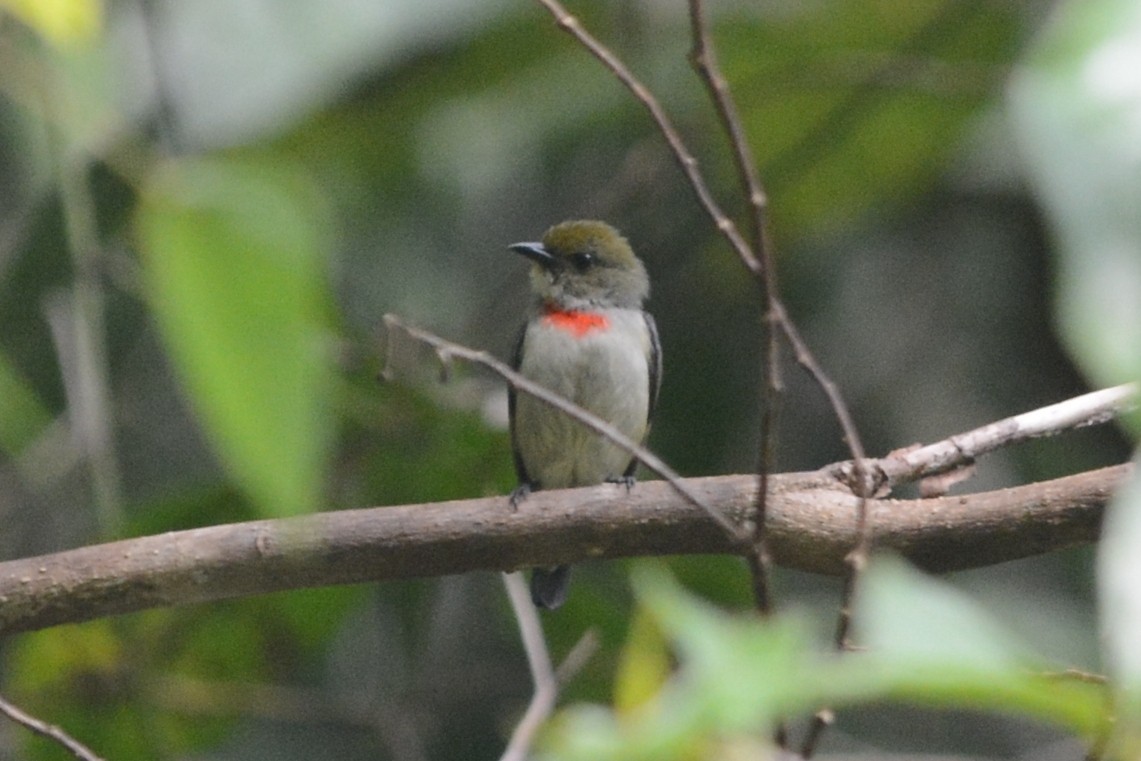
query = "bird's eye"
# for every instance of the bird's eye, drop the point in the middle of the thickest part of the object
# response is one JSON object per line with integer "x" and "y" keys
{"x": 582, "y": 261}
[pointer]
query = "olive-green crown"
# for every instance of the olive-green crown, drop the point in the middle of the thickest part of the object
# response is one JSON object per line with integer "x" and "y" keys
{"x": 588, "y": 263}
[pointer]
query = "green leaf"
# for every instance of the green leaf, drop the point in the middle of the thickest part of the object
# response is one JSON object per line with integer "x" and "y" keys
{"x": 64, "y": 22}
{"x": 860, "y": 105}
{"x": 926, "y": 644}
{"x": 234, "y": 260}
{"x": 644, "y": 665}
{"x": 929, "y": 643}
{"x": 921, "y": 621}
{"x": 1076, "y": 104}
{"x": 736, "y": 677}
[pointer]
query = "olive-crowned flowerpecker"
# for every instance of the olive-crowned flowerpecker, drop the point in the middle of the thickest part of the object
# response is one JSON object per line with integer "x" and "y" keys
{"x": 589, "y": 340}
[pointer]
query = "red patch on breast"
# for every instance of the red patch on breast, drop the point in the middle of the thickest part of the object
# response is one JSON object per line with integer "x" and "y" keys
{"x": 575, "y": 322}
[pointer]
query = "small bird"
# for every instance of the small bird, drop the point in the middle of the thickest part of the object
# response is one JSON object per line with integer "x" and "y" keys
{"x": 589, "y": 340}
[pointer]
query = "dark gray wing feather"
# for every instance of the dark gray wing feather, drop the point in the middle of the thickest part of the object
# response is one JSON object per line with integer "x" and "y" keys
{"x": 655, "y": 366}
{"x": 516, "y": 360}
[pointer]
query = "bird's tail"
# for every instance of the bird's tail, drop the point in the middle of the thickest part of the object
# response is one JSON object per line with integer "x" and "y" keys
{"x": 549, "y": 586}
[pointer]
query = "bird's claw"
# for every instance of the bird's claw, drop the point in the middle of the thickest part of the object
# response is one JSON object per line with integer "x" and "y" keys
{"x": 627, "y": 481}
{"x": 520, "y": 493}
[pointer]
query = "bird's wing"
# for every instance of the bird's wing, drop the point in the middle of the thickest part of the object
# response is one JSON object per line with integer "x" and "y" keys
{"x": 516, "y": 361}
{"x": 655, "y": 364}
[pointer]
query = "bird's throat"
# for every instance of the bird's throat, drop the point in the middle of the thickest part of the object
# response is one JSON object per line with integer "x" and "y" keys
{"x": 576, "y": 322}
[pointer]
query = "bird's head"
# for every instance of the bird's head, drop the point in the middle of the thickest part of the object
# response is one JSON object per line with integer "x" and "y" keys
{"x": 586, "y": 264}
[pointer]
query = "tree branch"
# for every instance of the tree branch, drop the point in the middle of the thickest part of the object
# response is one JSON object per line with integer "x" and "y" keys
{"x": 539, "y": 661}
{"x": 811, "y": 519}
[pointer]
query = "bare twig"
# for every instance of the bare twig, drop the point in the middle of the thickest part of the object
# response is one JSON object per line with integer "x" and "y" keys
{"x": 547, "y": 680}
{"x": 685, "y": 158}
{"x": 963, "y": 449}
{"x": 821, "y": 720}
{"x": 446, "y": 350}
{"x": 539, "y": 660}
{"x": 704, "y": 59}
{"x": 582, "y": 652}
{"x": 50, "y": 731}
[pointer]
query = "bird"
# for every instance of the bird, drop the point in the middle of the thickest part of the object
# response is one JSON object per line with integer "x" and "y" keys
{"x": 588, "y": 339}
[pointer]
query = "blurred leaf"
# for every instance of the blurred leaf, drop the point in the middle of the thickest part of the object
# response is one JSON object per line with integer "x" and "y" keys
{"x": 918, "y": 620}
{"x": 1119, "y": 588}
{"x": 1076, "y": 106}
{"x": 292, "y": 58}
{"x": 853, "y": 105}
{"x": 66, "y": 23}
{"x": 22, "y": 416}
{"x": 735, "y": 676}
{"x": 927, "y": 645}
{"x": 73, "y": 676}
{"x": 185, "y": 674}
{"x": 930, "y": 644}
{"x": 234, "y": 258}
{"x": 644, "y": 665}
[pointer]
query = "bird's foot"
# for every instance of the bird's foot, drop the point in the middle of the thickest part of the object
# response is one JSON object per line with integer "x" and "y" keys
{"x": 627, "y": 481}
{"x": 520, "y": 493}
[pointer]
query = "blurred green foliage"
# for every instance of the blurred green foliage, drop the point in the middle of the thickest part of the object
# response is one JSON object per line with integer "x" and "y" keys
{"x": 235, "y": 276}
{"x": 737, "y": 677}
{"x": 206, "y": 208}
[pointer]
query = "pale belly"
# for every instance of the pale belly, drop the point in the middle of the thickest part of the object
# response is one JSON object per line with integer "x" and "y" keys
{"x": 599, "y": 373}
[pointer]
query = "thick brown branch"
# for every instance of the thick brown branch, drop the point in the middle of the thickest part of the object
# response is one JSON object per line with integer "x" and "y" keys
{"x": 812, "y": 526}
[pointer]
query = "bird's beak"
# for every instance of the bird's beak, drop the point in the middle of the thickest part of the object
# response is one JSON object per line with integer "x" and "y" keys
{"x": 535, "y": 252}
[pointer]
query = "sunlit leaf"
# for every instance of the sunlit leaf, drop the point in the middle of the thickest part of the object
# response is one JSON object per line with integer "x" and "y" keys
{"x": 644, "y": 665}
{"x": 64, "y": 22}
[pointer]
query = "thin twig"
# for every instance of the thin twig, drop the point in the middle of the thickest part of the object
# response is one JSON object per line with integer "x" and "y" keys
{"x": 50, "y": 731}
{"x": 685, "y": 158}
{"x": 582, "y": 652}
{"x": 446, "y": 350}
{"x": 704, "y": 59}
{"x": 539, "y": 660}
{"x": 963, "y": 449}
{"x": 79, "y": 322}
{"x": 703, "y": 56}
